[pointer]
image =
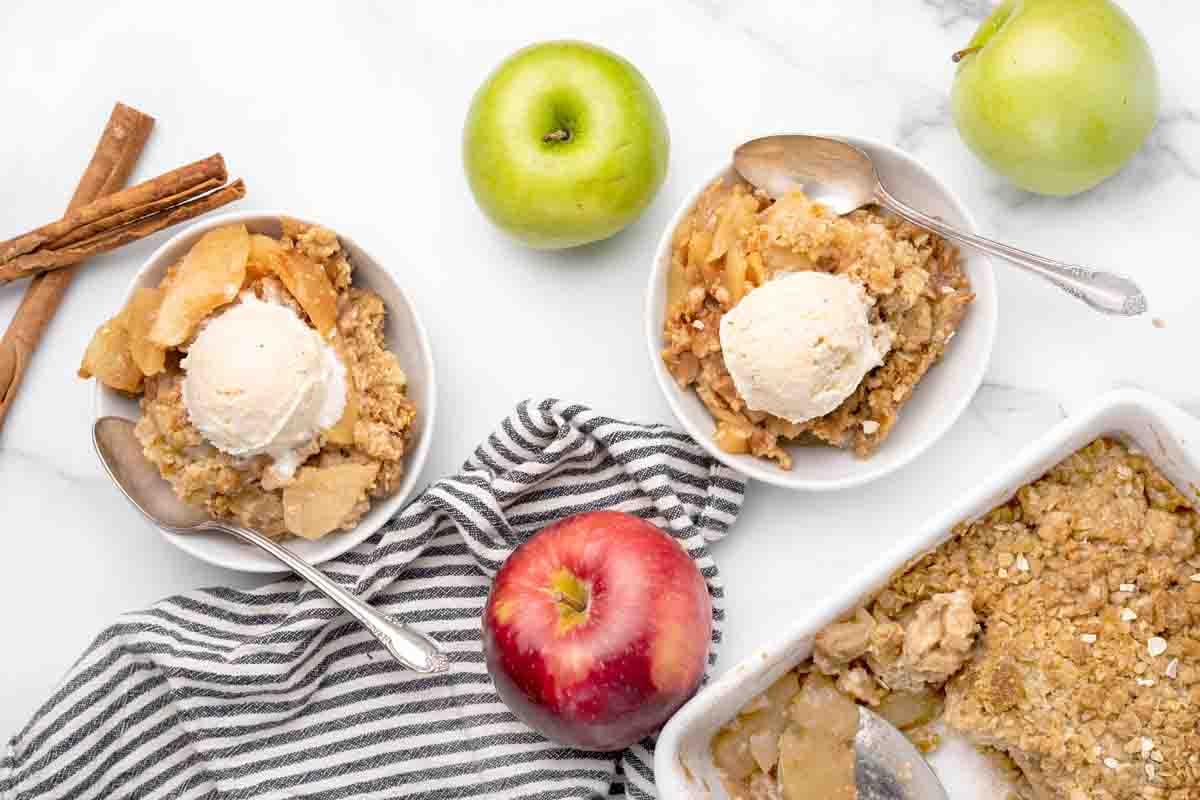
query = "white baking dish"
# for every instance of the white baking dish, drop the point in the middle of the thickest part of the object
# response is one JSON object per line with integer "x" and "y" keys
{"x": 1169, "y": 436}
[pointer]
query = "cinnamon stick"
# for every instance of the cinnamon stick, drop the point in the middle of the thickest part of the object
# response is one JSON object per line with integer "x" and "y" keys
{"x": 116, "y": 153}
{"x": 122, "y": 218}
{"x": 43, "y": 260}
{"x": 141, "y": 195}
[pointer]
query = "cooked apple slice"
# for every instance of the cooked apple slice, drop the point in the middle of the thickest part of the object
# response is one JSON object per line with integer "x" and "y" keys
{"x": 343, "y": 431}
{"x": 321, "y": 498}
{"x": 816, "y": 752}
{"x": 210, "y": 275}
{"x": 139, "y": 319}
{"x": 733, "y": 438}
{"x": 734, "y": 276}
{"x": 909, "y": 709}
{"x": 262, "y": 250}
{"x": 303, "y": 277}
{"x": 108, "y": 360}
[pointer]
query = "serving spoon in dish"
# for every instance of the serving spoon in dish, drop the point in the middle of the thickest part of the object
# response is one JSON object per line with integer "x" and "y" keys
{"x": 121, "y": 454}
{"x": 843, "y": 178}
{"x": 887, "y": 766}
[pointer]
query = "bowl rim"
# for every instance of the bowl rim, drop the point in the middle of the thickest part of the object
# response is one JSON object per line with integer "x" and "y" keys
{"x": 985, "y": 291}
{"x": 338, "y": 542}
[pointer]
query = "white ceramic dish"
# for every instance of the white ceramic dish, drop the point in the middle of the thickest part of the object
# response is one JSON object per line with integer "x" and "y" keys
{"x": 1171, "y": 438}
{"x": 936, "y": 403}
{"x": 405, "y": 335}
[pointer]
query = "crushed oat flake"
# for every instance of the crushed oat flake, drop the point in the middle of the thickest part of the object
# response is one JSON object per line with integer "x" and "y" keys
{"x": 1128, "y": 587}
{"x": 1173, "y": 669}
{"x": 1128, "y": 614}
{"x": 1088, "y": 638}
{"x": 1156, "y": 646}
{"x": 1022, "y": 563}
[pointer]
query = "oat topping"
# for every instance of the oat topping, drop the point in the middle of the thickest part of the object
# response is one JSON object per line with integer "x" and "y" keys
{"x": 1064, "y": 672}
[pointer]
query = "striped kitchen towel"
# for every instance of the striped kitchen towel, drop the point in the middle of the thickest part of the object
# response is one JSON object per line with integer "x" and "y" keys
{"x": 272, "y": 693}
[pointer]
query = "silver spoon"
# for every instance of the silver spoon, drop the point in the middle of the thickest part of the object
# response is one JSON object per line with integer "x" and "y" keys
{"x": 138, "y": 479}
{"x": 887, "y": 766}
{"x": 843, "y": 178}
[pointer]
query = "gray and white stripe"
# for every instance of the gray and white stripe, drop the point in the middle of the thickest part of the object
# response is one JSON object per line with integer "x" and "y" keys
{"x": 272, "y": 693}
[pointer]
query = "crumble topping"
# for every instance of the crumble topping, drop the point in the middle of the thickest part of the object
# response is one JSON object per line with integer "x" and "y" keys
{"x": 248, "y": 490}
{"x": 735, "y": 239}
{"x": 1061, "y": 631}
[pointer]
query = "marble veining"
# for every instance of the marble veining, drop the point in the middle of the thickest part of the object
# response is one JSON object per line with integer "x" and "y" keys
{"x": 953, "y": 12}
{"x": 927, "y": 115}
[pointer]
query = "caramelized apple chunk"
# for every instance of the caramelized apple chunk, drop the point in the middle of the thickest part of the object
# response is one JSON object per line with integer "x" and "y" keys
{"x": 262, "y": 250}
{"x": 304, "y": 278}
{"x": 343, "y": 432}
{"x": 140, "y": 314}
{"x": 907, "y": 710}
{"x": 108, "y": 358}
{"x": 210, "y": 275}
{"x": 320, "y": 498}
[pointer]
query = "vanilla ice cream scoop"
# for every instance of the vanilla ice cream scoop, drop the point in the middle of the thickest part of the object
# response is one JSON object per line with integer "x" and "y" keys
{"x": 799, "y": 345}
{"x": 260, "y": 381}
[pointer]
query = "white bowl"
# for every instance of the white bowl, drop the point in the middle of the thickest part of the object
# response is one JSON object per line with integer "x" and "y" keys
{"x": 405, "y": 335}
{"x": 683, "y": 765}
{"x": 938, "y": 400}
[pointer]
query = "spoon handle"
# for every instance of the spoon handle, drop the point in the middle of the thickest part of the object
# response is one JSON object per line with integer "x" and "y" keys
{"x": 1104, "y": 291}
{"x": 411, "y": 648}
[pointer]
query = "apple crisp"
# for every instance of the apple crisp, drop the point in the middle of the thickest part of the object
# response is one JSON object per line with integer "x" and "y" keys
{"x": 1061, "y": 631}
{"x": 332, "y": 478}
{"x": 735, "y": 239}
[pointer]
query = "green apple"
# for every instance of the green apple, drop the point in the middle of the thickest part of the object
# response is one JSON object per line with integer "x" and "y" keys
{"x": 564, "y": 144}
{"x": 1056, "y": 95}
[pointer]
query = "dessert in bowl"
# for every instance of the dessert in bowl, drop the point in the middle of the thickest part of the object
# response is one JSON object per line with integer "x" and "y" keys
{"x": 280, "y": 379}
{"x": 811, "y": 350}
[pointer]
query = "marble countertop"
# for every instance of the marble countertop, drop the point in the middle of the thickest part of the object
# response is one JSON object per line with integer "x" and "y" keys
{"x": 351, "y": 113}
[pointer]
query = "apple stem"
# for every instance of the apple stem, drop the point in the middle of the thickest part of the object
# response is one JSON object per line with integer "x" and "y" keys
{"x": 961, "y": 54}
{"x": 560, "y": 135}
{"x": 574, "y": 604}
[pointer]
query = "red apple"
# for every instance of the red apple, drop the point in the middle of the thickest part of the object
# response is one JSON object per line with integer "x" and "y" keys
{"x": 597, "y": 630}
